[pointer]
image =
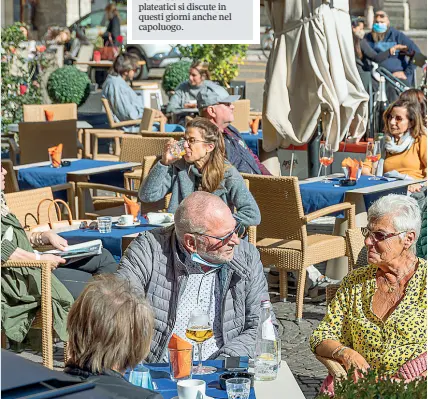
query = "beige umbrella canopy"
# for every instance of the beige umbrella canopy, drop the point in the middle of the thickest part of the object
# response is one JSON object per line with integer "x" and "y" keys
{"x": 311, "y": 72}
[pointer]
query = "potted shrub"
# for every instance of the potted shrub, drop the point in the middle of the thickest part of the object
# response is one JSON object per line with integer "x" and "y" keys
{"x": 223, "y": 59}
{"x": 68, "y": 85}
{"x": 175, "y": 73}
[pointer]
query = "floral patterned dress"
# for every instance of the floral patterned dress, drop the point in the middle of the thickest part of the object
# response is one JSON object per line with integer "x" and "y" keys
{"x": 385, "y": 344}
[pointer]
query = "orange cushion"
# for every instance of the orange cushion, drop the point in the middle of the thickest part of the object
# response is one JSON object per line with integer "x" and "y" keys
{"x": 49, "y": 115}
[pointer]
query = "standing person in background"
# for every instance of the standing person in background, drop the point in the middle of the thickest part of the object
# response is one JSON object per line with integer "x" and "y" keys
{"x": 113, "y": 27}
{"x": 383, "y": 37}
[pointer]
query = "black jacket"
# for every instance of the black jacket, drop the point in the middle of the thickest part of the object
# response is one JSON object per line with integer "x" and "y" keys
{"x": 113, "y": 28}
{"x": 114, "y": 383}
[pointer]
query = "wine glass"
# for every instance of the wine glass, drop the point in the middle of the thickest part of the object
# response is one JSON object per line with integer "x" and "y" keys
{"x": 373, "y": 154}
{"x": 326, "y": 158}
{"x": 199, "y": 329}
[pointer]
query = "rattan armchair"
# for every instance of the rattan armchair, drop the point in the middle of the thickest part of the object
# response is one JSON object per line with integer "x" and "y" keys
{"x": 11, "y": 183}
{"x": 243, "y": 116}
{"x": 282, "y": 238}
{"x": 44, "y": 316}
{"x": 110, "y": 117}
{"x": 91, "y": 143}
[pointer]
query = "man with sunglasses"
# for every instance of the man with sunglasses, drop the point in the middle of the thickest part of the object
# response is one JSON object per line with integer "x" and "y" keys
{"x": 215, "y": 104}
{"x": 383, "y": 37}
{"x": 200, "y": 263}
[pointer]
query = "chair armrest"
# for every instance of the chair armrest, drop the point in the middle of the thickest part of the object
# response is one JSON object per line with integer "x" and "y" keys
{"x": 71, "y": 195}
{"x": 127, "y": 123}
{"x": 345, "y": 206}
{"x": 334, "y": 367}
{"x": 114, "y": 134}
{"x": 40, "y": 264}
{"x": 108, "y": 135}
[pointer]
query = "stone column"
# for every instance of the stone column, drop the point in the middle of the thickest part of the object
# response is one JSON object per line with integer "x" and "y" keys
{"x": 399, "y": 15}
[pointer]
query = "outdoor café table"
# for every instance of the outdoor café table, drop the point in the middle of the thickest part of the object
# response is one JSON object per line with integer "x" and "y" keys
{"x": 111, "y": 241}
{"x": 252, "y": 140}
{"x": 14, "y": 127}
{"x": 317, "y": 195}
{"x": 285, "y": 385}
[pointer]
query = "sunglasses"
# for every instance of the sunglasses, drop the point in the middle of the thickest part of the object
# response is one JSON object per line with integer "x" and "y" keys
{"x": 380, "y": 15}
{"x": 91, "y": 226}
{"x": 378, "y": 236}
{"x": 225, "y": 239}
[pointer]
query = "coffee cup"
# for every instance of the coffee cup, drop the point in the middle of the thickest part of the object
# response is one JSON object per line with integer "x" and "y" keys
{"x": 191, "y": 389}
{"x": 193, "y": 102}
{"x": 126, "y": 220}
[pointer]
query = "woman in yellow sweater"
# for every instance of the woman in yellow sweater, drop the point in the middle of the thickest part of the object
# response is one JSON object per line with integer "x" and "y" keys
{"x": 405, "y": 142}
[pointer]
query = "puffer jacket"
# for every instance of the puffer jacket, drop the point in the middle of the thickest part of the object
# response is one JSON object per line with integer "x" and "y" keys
{"x": 152, "y": 262}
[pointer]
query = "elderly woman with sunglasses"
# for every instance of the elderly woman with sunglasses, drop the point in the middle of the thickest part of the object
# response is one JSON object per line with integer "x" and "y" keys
{"x": 378, "y": 317}
{"x": 203, "y": 167}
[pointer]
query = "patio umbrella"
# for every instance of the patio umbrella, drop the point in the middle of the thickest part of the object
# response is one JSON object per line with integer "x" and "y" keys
{"x": 311, "y": 72}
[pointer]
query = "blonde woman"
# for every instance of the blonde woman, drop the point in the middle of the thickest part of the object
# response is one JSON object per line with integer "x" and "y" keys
{"x": 202, "y": 168}
{"x": 110, "y": 327}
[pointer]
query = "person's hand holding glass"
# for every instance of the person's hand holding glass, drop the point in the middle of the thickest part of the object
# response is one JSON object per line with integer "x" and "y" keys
{"x": 373, "y": 154}
{"x": 199, "y": 329}
{"x": 173, "y": 151}
{"x": 326, "y": 158}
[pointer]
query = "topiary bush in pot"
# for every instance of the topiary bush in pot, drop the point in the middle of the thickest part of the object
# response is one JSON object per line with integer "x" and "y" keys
{"x": 68, "y": 85}
{"x": 175, "y": 73}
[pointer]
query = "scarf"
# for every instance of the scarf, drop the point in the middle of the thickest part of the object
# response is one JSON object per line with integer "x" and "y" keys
{"x": 403, "y": 144}
{"x": 4, "y": 208}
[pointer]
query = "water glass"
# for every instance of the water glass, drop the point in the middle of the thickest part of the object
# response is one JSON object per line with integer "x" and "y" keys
{"x": 238, "y": 388}
{"x": 140, "y": 377}
{"x": 104, "y": 224}
{"x": 177, "y": 149}
{"x": 180, "y": 363}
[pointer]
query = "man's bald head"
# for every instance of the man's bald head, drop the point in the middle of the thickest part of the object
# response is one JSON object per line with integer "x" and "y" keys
{"x": 199, "y": 212}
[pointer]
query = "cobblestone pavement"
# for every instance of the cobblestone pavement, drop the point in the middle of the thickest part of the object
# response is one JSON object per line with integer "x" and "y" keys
{"x": 295, "y": 349}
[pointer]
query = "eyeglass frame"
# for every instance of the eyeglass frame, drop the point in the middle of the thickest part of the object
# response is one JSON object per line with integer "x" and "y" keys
{"x": 366, "y": 232}
{"x": 194, "y": 141}
{"x": 223, "y": 239}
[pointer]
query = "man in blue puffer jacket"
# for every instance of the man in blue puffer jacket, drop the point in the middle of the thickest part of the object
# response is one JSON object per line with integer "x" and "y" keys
{"x": 382, "y": 38}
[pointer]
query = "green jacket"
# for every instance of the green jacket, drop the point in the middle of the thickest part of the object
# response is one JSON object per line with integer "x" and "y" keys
{"x": 21, "y": 288}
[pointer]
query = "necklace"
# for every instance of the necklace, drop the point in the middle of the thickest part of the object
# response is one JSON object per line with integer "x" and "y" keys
{"x": 392, "y": 288}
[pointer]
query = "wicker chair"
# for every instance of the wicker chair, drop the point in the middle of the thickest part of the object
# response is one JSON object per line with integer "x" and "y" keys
{"x": 174, "y": 135}
{"x": 23, "y": 204}
{"x": 110, "y": 117}
{"x": 61, "y": 112}
{"x": 91, "y": 143}
{"x": 150, "y": 116}
{"x": 282, "y": 239}
{"x": 11, "y": 183}
{"x": 243, "y": 117}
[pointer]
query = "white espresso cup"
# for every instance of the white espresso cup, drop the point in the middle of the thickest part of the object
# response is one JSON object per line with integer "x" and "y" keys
{"x": 126, "y": 220}
{"x": 191, "y": 389}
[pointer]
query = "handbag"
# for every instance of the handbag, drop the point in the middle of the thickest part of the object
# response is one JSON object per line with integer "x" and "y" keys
{"x": 109, "y": 52}
{"x": 57, "y": 225}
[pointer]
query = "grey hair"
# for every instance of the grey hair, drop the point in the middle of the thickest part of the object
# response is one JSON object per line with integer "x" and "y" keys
{"x": 192, "y": 213}
{"x": 404, "y": 212}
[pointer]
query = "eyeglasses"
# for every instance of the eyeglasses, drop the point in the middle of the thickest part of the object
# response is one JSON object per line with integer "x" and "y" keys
{"x": 225, "y": 239}
{"x": 192, "y": 140}
{"x": 91, "y": 226}
{"x": 378, "y": 235}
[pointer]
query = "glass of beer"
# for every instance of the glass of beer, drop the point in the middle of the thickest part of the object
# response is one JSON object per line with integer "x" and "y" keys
{"x": 199, "y": 329}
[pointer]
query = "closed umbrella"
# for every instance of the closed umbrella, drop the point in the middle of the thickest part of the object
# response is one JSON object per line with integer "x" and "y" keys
{"x": 311, "y": 72}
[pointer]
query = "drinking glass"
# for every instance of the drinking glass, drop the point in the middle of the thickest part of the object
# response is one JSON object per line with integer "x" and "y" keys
{"x": 180, "y": 363}
{"x": 238, "y": 388}
{"x": 326, "y": 158}
{"x": 373, "y": 154}
{"x": 199, "y": 329}
{"x": 104, "y": 224}
{"x": 177, "y": 149}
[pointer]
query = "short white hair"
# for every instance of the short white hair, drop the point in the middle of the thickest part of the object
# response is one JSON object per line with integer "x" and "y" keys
{"x": 404, "y": 212}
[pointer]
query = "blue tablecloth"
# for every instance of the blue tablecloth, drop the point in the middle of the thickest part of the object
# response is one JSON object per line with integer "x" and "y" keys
{"x": 45, "y": 176}
{"x": 111, "y": 241}
{"x": 319, "y": 195}
{"x": 252, "y": 140}
{"x": 160, "y": 375}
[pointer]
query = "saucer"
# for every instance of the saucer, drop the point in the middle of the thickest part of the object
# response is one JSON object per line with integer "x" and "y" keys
{"x": 127, "y": 226}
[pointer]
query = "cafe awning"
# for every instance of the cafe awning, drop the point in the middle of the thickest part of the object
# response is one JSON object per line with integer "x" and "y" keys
{"x": 311, "y": 72}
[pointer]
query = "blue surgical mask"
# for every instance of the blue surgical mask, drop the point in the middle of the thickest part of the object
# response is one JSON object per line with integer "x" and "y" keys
{"x": 380, "y": 27}
{"x": 197, "y": 259}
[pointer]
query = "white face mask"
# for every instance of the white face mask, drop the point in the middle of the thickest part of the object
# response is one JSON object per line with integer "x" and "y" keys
{"x": 360, "y": 34}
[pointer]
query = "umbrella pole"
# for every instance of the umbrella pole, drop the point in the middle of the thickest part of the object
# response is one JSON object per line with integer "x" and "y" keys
{"x": 313, "y": 151}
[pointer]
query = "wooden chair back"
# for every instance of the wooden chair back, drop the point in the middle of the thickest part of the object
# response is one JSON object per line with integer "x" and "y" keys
{"x": 61, "y": 112}
{"x": 357, "y": 251}
{"x": 84, "y": 55}
{"x": 23, "y": 205}
{"x": 36, "y": 137}
{"x": 241, "y": 115}
{"x": 11, "y": 183}
{"x": 150, "y": 116}
{"x": 135, "y": 148}
{"x": 280, "y": 206}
